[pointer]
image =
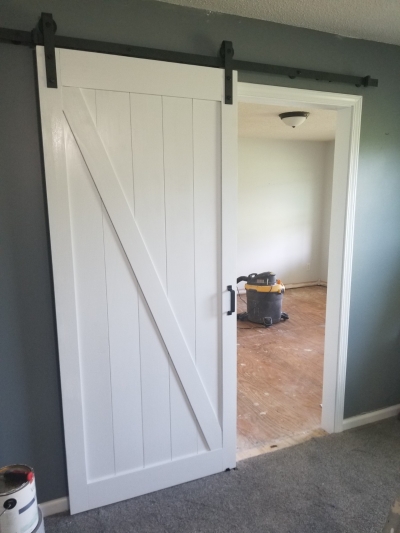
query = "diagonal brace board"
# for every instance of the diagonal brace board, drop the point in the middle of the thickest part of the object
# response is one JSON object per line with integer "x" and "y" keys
{"x": 113, "y": 198}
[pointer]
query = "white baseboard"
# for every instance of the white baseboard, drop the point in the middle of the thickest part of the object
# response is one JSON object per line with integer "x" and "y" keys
{"x": 54, "y": 506}
{"x": 318, "y": 283}
{"x": 368, "y": 418}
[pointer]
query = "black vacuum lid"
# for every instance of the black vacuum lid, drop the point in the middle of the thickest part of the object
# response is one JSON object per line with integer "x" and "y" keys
{"x": 265, "y": 278}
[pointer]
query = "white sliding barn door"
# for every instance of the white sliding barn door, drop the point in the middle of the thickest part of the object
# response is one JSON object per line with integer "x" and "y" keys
{"x": 140, "y": 161}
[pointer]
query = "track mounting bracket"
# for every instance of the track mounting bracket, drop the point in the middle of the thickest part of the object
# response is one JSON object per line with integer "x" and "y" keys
{"x": 48, "y": 28}
{"x": 227, "y": 52}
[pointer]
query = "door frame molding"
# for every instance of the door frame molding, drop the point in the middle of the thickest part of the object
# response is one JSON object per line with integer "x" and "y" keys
{"x": 341, "y": 237}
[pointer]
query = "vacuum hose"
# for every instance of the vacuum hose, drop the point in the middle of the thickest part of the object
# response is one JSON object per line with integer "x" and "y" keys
{"x": 241, "y": 278}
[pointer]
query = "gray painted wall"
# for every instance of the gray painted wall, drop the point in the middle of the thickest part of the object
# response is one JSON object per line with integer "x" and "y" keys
{"x": 30, "y": 405}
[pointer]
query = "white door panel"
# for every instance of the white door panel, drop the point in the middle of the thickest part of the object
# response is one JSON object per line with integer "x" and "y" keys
{"x": 135, "y": 177}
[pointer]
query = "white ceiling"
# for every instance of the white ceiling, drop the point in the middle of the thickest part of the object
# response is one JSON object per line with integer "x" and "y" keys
{"x": 262, "y": 121}
{"x": 375, "y": 20}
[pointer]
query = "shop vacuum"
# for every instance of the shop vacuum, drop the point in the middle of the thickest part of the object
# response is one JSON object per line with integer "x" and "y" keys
{"x": 264, "y": 299}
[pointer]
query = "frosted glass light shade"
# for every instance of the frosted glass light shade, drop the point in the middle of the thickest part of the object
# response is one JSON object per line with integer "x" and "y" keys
{"x": 294, "y": 118}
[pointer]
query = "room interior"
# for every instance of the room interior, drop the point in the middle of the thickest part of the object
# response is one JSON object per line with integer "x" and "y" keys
{"x": 284, "y": 206}
{"x": 327, "y": 483}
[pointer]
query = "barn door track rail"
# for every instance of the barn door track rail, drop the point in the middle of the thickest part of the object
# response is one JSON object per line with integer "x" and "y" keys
{"x": 45, "y": 34}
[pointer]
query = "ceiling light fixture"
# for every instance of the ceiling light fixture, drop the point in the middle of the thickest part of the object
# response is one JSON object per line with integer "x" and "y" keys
{"x": 294, "y": 118}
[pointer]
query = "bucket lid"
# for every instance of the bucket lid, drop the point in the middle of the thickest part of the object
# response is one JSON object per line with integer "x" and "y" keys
{"x": 265, "y": 278}
{"x": 14, "y": 478}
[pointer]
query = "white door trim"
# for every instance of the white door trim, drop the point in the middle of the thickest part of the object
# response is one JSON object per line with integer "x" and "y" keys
{"x": 342, "y": 229}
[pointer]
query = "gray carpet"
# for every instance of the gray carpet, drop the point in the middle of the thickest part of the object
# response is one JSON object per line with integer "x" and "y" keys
{"x": 335, "y": 484}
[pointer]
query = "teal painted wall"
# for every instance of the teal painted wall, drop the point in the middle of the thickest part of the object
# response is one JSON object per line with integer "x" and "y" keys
{"x": 30, "y": 405}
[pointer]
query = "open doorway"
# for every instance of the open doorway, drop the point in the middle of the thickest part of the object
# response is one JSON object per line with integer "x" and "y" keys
{"x": 296, "y": 190}
{"x": 285, "y": 193}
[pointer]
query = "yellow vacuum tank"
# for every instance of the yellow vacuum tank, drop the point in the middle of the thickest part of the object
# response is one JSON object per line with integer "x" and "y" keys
{"x": 264, "y": 299}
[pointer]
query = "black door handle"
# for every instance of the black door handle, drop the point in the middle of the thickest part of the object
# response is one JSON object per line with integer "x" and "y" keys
{"x": 233, "y": 299}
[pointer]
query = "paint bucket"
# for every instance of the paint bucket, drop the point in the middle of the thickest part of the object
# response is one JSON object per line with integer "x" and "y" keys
{"x": 18, "y": 505}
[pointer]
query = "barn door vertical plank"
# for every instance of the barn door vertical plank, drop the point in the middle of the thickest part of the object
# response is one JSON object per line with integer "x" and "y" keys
{"x": 89, "y": 95}
{"x": 91, "y": 295}
{"x": 113, "y": 125}
{"x": 149, "y": 202}
{"x": 178, "y": 159}
{"x": 207, "y": 216}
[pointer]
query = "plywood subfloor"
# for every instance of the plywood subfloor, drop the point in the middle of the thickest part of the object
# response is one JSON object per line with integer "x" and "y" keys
{"x": 280, "y": 375}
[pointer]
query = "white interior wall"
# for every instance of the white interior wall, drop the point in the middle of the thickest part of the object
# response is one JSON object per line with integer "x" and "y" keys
{"x": 284, "y": 208}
